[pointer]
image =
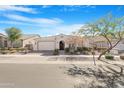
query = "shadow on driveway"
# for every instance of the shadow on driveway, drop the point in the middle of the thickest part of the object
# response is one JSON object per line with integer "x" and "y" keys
{"x": 100, "y": 76}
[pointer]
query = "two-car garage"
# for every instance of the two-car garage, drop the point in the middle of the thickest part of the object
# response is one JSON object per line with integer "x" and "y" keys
{"x": 46, "y": 45}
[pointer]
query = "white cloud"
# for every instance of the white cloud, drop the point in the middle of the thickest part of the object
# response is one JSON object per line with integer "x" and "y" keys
{"x": 2, "y": 31}
{"x": 15, "y": 23}
{"x": 50, "y": 29}
{"x": 17, "y": 8}
{"x": 46, "y": 6}
{"x": 38, "y": 21}
{"x": 69, "y": 28}
{"x": 71, "y": 8}
{"x": 90, "y": 6}
{"x": 65, "y": 29}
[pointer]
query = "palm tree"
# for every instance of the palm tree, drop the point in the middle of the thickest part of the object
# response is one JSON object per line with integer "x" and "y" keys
{"x": 13, "y": 34}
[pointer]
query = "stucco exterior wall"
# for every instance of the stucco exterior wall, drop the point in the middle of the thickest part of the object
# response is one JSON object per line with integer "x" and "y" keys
{"x": 31, "y": 41}
{"x": 53, "y": 42}
{"x": 120, "y": 46}
{"x": 56, "y": 39}
{"x": 62, "y": 38}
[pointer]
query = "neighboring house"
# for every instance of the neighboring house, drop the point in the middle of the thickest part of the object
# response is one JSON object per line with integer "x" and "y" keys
{"x": 3, "y": 40}
{"x": 28, "y": 41}
{"x": 120, "y": 47}
{"x": 61, "y": 42}
{"x": 101, "y": 42}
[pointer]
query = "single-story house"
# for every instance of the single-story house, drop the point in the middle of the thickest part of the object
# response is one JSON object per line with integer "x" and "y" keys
{"x": 101, "y": 42}
{"x": 27, "y": 40}
{"x": 53, "y": 42}
{"x": 63, "y": 41}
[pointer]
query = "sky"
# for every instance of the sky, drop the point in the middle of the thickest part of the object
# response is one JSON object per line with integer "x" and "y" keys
{"x": 55, "y": 19}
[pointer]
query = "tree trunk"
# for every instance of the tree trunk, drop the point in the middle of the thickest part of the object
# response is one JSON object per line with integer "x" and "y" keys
{"x": 103, "y": 53}
{"x": 11, "y": 44}
{"x": 94, "y": 59}
{"x": 110, "y": 48}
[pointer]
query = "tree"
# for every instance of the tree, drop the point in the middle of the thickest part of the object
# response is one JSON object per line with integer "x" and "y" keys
{"x": 90, "y": 30}
{"x": 13, "y": 34}
{"x": 111, "y": 28}
{"x": 74, "y": 41}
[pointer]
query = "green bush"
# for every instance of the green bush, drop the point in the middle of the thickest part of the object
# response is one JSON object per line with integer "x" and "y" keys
{"x": 100, "y": 49}
{"x": 67, "y": 50}
{"x": 110, "y": 57}
{"x": 4, "y": 51}
{"x": 72, "y": 52}
{"x": 21, "y": 49}
{"x": 122, "y": 57}
{"x": 56, "y": 52}
{"x": 75, "y": 51}
{"x": 13, "y": 51}
{"x": 93, "y": 53}
{"x": 79, "y": 49}
{"x": 5, "y": 48}
{"x": 85, "y": 49}
{"x": 85, "y": 53}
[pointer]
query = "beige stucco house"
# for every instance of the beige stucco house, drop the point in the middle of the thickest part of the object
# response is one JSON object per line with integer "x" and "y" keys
{"x": 52, "y": 42}
{"x": 61, "y": 42}
{"x": 101, "y": 42}
{"x": 27, "y": 40}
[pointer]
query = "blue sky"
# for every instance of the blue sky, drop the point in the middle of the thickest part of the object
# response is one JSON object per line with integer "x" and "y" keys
{"x": 52, "y": 20}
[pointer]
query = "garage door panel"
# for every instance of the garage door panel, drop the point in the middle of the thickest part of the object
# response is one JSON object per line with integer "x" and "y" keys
{"x": 46, "y": 45}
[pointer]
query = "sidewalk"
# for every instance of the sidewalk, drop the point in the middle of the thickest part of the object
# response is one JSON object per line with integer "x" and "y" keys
{"x": 39, "y": 55}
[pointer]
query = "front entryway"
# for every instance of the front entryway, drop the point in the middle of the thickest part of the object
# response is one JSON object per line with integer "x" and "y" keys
{"x": 61, "y": 45}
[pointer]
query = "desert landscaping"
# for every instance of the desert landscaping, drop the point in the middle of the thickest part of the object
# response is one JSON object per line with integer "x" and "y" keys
{"x": 52, "y": 49}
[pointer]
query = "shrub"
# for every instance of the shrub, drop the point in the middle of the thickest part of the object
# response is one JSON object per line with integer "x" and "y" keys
{"x": 5, "y": 48}
{"x": 4, "y": 52}
{"x": 78, "y": 53}
{"x": 13, "y": 51}
{"x": 85, "y": 52}
{"x": 79, "y": 49}
{"x": 100, "y": 49}
{"x": 122, "y": 57}
{"x": 21, "y": 49}
{"x": 85, "y": 49}
{"x": 72, "y": 51}
{"x": 56, "y": 52}
{"x": 67, "y": 50}
{"x": 110, "y": 57}
{"x": 93, "y": 53}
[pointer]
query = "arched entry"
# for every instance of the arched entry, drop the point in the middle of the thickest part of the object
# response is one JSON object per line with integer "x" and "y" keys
{"x": 61, "y": 45}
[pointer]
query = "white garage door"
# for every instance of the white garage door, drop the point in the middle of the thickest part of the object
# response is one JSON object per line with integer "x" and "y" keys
{"x": 46, "y": 45}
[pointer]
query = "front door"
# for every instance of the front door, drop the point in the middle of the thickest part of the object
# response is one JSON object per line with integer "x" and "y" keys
{"x": 61, "y": 45}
